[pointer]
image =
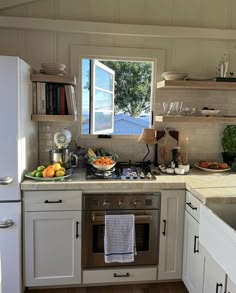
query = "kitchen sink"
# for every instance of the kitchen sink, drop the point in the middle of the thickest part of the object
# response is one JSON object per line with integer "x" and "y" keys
{"x": 225, "y": 209}
{"x": 217, "y": 232}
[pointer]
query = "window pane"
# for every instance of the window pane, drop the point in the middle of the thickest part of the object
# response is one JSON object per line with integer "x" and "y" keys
{"x": 103, "y": 121}
{"x": 104, "y": 79}
{"x": 103, "y": 100}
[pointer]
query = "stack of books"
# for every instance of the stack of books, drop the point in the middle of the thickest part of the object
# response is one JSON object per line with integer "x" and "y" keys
{"x": 54, "y": 99}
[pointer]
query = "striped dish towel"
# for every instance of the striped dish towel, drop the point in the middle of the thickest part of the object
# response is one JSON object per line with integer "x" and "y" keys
{"x": 119, "y": 238}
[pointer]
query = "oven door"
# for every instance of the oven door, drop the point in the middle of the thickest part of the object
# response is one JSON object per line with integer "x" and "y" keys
{"x": 146, "y": 233}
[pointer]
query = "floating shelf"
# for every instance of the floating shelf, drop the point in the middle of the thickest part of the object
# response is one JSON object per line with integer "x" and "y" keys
{"x": 196, "y": 85}
{"x": 194, "y": 119}
{"x": 54, "y": 118}
{"x": 65, "y": 79}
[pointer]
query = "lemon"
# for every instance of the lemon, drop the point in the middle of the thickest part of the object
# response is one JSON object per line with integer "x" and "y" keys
{"x": 57, "y": 166}
{"x": 60, "y": 173}
{"x": 62, "y": 169}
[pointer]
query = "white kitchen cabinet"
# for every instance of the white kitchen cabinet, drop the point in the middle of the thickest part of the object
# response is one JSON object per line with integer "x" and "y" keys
{"x": 231, "y": 287}
{"x": 52, "y": 248}
{"x": 193, "y": 258}
{"x": 214, "y": 276}
{"x": 52, "y": 238}
{"x": 171, "y": 234}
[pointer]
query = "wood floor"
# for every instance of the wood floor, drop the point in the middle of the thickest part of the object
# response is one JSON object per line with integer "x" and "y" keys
{"x": 175, "y": 287}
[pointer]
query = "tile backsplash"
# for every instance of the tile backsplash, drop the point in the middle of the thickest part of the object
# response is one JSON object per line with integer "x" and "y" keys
{"x": 204, "y": 138}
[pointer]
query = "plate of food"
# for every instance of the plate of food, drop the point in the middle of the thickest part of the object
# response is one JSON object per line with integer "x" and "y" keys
{"x": 214, "y": 167}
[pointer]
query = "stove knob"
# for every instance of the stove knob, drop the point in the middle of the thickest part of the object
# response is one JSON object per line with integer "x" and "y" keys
{"x": 136, "y": 202}
{"x": 121, "y": 203}
{"x": 106, "y": 204}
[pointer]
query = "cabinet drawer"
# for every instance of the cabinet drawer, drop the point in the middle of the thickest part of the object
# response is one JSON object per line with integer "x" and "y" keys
{"x": 124, "y": 275}
{"x": 192, "y": 205}
{"x": 52, "y": 200}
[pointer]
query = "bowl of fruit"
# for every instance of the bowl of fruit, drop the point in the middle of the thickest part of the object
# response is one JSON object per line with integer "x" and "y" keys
{"x": 103, "y": 163}
{"x": 49, "y": 173}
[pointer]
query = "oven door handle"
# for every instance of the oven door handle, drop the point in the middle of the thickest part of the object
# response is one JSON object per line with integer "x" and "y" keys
{"x": 138, "y": 218}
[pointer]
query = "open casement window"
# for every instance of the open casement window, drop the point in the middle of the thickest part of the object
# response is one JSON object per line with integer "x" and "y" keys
{"x": 102, "y": 100}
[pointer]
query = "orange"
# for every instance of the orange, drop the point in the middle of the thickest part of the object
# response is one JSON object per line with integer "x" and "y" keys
{"x": 48, "y": 172}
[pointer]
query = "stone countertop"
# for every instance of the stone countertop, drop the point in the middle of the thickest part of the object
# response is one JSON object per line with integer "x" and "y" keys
{"x": 202, "y": 184}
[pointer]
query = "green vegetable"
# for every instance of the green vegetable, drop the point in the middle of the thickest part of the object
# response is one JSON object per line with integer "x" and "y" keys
{"x": 229, "y": 138}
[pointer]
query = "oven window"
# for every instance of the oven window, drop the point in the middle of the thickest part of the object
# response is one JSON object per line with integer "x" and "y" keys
{"x": 141, "y": 235}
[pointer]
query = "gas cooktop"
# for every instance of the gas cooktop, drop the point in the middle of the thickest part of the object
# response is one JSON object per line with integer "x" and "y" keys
{"x": 122, "y": 171}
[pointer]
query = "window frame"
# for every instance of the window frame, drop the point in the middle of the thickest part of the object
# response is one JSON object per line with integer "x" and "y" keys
{"x": 79, "y": 52}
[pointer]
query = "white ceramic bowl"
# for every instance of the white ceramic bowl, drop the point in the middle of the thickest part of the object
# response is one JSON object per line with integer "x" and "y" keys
{"x": 209, "y": 112}
{"x": 174, "y": 75}
{"x": 103, "y": 167}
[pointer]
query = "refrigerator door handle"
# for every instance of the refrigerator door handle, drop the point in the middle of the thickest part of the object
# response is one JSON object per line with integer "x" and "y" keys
{"x": 6, "y": 223}
{"x": 6, "y": 180}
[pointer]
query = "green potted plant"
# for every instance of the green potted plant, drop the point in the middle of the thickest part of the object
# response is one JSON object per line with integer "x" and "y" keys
{"x": 229, "y": 144}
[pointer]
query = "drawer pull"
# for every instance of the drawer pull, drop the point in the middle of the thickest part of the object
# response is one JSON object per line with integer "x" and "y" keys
{"x": 217, "y": 286}
{"x": 164, "y": 228}
{"x": 195, "y": 244}
{"x": 77, "y": 230}
{"x": 53, "y": 201}
{"x": 191, "y": 206}
{"x": 121, "y": 275}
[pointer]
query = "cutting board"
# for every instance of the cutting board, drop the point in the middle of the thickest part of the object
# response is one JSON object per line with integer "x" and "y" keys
{"x": 167, "y": 140}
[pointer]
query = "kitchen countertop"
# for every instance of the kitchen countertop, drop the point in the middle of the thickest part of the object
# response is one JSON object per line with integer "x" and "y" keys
{"x": 202, "y": 184}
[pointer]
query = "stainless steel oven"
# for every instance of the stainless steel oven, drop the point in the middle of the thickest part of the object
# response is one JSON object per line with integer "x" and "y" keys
{"x": 145, "y": 207}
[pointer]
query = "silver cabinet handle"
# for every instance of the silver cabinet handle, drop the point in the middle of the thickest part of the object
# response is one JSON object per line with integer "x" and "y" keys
{"x": 6, "y": 180}
{"x": 6, "y": 223}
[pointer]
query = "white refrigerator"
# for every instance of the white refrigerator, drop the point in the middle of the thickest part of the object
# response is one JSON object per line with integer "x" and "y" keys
{"x": 18, "y": 154}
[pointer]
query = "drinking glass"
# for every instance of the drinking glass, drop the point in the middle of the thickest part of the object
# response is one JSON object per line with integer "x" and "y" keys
{"x": 177, "y": 108}
{"x": 167, "y": 107}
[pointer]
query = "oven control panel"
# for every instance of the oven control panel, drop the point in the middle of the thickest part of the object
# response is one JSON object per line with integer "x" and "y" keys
{"x": 121, "y": 201}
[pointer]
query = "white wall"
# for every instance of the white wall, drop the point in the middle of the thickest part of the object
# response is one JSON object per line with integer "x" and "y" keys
{"x": 197, "y": 57}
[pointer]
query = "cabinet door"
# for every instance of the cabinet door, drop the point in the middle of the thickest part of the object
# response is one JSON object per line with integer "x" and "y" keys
{"x": 214, "y": 277}
{"x": 171, "y": 234}
{"x": 193, "y": 259}
{"x": 52, "y": 248}
{"x": 231, "y": 287}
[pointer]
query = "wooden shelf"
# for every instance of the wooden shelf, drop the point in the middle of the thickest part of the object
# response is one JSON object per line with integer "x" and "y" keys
{"x": 196, "y": 85}
{"x": 53, "y": 78}
{"x": 195, "y": 119}
{"x": 52, "y": 118}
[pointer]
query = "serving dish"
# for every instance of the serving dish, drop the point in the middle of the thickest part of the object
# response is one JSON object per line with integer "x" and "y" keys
{"x": 103, "y": 167}
{"x": 174, "y": 75}
{"x": 211, "y": 170}
{"x": 209, "y": 112}
{"x": 28, "y": 175}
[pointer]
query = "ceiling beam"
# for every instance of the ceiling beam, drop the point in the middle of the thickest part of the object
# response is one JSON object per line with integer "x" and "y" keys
{"x": 12, "y": 3}
{"x": 72, "y": 26}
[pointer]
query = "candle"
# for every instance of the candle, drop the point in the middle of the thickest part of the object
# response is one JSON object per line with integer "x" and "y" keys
{"x": 186, "y": 153}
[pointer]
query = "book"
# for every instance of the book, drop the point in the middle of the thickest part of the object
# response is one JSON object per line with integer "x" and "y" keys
{"x": 34, "y": 100}
{"x": 43, "y": 98}
{"x": 38, "y": 90}
{"x": 73, "y": 99}
{"x": 62, "y": 101}
{"x": 70, "y": 91}
{"x": 68, "y": 100}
